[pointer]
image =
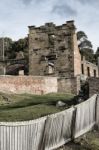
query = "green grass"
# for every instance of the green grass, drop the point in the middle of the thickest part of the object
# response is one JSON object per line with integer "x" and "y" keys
{"x": 93, "y": 140}
{"x": 23, "y": 107}
{"x": 89, "y": 141}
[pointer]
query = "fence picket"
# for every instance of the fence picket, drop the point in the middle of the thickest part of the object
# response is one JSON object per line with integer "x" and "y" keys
{"x": 50, "y": 132}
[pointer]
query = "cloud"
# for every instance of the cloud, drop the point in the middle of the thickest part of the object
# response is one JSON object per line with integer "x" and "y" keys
{"x": 26, "y": 1}
{"x": 34, "y": 1}
{"x": 64, "y": 10}
{"x": 89, "y": 2}
{"x": 16, "y": 15}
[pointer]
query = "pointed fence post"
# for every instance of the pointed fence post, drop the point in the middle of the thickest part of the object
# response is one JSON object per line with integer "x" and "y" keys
{"x": 97, "y": 112}
{"x": 73, "y": 124}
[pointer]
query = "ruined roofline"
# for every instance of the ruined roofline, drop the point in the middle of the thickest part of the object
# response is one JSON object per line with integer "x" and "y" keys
{"x": 88, "y": 62}
{"x": 50, "y": 24}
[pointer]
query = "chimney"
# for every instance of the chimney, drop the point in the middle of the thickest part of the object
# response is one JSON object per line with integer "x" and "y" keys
{"x": 71, "y": 25}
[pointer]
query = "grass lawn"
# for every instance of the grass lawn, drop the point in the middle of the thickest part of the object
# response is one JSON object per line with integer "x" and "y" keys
{"x": 23, "y": 107}
{"x": 89, "y": 141}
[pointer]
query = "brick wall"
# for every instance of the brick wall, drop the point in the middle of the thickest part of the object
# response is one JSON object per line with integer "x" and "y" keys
{"x": 39, "y": 84}
{"x": 93, "y": 69}
{"x": 77, "y": 57}
{"x": 56, "y": 47}
{"x": 93, "y": 86}
{"x": 28, "y": 84}
{"x": 1, "y": 68}
{"x": 69, "y": 85}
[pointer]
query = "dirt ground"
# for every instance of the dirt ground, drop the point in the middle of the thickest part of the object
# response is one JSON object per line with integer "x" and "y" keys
{"x": 89, "y": 141}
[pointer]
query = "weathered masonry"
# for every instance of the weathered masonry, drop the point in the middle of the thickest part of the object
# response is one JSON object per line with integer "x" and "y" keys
{"x": 38, "y": 85}
{"x": 89, "y": 69}
{"x": 2, "y": 67}
{"x": 93, "y": 86}
{"x": 53, "y": 50}
{"x": 28, "y": 84}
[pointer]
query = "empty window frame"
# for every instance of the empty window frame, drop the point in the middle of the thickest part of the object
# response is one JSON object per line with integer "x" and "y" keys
{"x": 82, "y": 68}
{"x": 94, "y": 73}
{"x": 88, "y": 71}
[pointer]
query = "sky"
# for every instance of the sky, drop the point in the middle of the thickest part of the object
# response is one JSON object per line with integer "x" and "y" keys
{"x": 17, "y": 15}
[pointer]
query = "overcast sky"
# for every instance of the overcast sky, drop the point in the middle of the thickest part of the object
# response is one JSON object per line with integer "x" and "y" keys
{"x": 17, "y": 15}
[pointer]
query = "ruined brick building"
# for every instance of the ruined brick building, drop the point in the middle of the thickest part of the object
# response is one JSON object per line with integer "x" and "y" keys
{"x": 53, "y": 51}
{"x": 89, "y": 69}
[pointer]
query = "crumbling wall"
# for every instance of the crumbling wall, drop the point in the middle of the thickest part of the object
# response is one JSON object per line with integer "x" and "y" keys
{"x": 77, "y": 57}
{"x": 1, "y": 68}
{"x": 53, "y": 50}
{"x": 28, "y": 84}
{"x": 39, "y": 84}
{"x": 69, "y": 85}
{"x": 93, "y": 86}
{"x": 89, "y": 69}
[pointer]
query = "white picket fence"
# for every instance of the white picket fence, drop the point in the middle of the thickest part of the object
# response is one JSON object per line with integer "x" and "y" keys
{"x": 50, "y": 132}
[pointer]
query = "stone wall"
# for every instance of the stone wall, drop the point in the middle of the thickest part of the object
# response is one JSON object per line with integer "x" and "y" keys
{"x": 89, "y": 69}
{"x": 39, "y": 84}
{"x": 28, "y": 84}
{"x": 93, "y": 86}
{"x": 77, "y": 57}
{"x": 1, "y": 68}
{"x": 53, "y": 50}
{"x": 69, "y": 85}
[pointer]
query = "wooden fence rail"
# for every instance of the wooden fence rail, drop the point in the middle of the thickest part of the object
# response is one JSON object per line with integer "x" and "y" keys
{"x": 51, "y": 131}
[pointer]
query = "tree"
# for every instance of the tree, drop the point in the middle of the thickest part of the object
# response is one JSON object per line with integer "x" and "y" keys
{"x": 85, "y": 46}
{"x": 97, "y": 54}
{"x": 18, "y": 46}
{"x": 6, "y": 44}
{"x": 81, "y": 35}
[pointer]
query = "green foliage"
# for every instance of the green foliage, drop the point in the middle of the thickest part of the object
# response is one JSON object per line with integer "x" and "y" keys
{"x": 81, "y": 35}
{"x": 89, "y": 55}
{"x": 97, "y": 51}
{"x": 85, "y": 46}
{"x": 15, "y": 50}
{"x": 97, "y": 55}
{"x": 89, "y": 141}
{"x": 20, "y": 45}
{"x": 7, "y": 42}
{"x": 12, "y": 47}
